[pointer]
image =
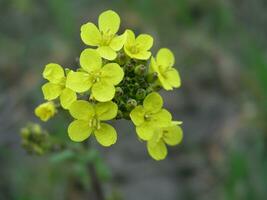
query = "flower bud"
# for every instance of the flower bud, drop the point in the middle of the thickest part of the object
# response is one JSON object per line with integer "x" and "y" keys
{"x": 129, "y": 67}
{"x": 119, "y": 114}
{"x": 140, "y": 70}
{"x": 152, "y": 77}
{"x": 121, "y": 58}
{"x": 131, "y": 104}
{"x": 140, "y": 94}
{"x": 45, "y": 111}
{"x": 119, "y": 91}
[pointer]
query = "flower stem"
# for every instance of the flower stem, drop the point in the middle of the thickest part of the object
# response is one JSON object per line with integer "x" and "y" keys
{"x": 96, "y": 183}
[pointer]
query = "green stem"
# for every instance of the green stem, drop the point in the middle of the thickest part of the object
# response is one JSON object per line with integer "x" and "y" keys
{"x": 96, "y": 183}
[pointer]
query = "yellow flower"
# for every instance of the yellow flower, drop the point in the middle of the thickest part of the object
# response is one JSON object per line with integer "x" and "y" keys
{"x": 156, "y": 146}
{"x": 163, "y": 64}
{"x": 45, "y": 111}
{"x": 138, "y": 48}
{"x": 150, "y": 116}
{"x": 88, "y": 119}
{"x": 100, "y": 79}
{"x": 105, "y": 38}
{"x": 55, "y": 88}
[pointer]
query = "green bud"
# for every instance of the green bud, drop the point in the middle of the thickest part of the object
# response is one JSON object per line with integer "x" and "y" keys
{"x": 140, "y": 94}
{"x": 129, "y": 67}
{"x": 119, "y": 114}
{"x": 152, "y": 77}
{"x": 131, "y": 104}
{"x": 25, "y": 132}
{"x": 126, "y": 115}
{"x": 156, "y": 87}
{"x": 140, "y": 70}
{"x": 149, "y": 89}
{"x": 119, "y": 91}
{"x": 121, "y": 58}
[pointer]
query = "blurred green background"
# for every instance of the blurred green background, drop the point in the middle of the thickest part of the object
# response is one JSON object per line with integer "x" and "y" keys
{"x": 221, "y": 54}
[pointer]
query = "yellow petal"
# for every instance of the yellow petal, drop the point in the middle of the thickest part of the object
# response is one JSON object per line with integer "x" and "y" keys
{"x": 79, "y": 130}
{"x": 142, "y": 55}
{"x": 106, "y": 110}
{"x": 137, "y": 115}
{"x": 45, "y": 111}
{"x": 158, "y": 151}
{"x": 173, "y": 78}
{"x": 144, "y": 41}
{"x": 165, "y": 58}
{"x": 103, "y": 91}
{"x": 51, "y": 91}
{"x": 164, "y": 83}
{"x": 90, "y": 60}
{"x": 106, "y": 135}
{"x": 118, "y": 41}
{"x": 161, "y": 118}
{"x": 112, "y": 73}
{"x": 173, "y": 135}
{"x": 67, "y": 97}
{"x": 53, "y": 72}
{"x": 153, "y": 67}
{"x": 177, "y": 122}
{"x": 82, "y": 110}
{"x": 90, "y": 34}
{"x": 79, "y": 81}
{"x": 153, "y": 102}
{"x": 145, "y": 130}
{"x": 107, "y": 52}
{"x": 130, "y": 39}
{"x": 109, "y": 22}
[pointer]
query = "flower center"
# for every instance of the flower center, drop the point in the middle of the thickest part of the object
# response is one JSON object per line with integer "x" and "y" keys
{"x": 106, "y": 38}
{"x": 147, "y": 117}
{"x": 134, "y": 49}
{"x": 94, "y": 123}
{"x": 96, "y": 77}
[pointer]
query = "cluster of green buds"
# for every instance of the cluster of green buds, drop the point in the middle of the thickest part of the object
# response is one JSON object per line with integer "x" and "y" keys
{"x": 35, "y": 140}
{"x": 116, "y": 78}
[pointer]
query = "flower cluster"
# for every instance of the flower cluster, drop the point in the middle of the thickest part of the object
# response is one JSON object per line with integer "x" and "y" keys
{"x": 117, "y": 78}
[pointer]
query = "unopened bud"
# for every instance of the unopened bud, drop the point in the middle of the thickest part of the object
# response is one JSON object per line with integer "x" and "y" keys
{"x": 131, "y": 104}
{"x": 140, "y": 94}
{"x": 152, "y": 77}
{"x": 119, "y": 91}
{"x": 140, "y": 70}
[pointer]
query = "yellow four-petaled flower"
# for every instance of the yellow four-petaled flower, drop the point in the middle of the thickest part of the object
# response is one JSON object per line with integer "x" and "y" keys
{"x": 88, "y": 120}
{"x": 163, "y": 64}
{"x": 100, "y": 79}
{"x": 105, "y": 38}
{"x": 150, "y": 116}
{"x": 55, "y": 88}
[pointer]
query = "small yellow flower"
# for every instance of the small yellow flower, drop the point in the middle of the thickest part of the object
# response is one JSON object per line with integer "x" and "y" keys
{"x": 88, "y": 119}
{"x": 100, "y": 79}
{"x": 55, "y": 88}
{"x": 45, "y": 110}
{"x": 171, "y": 135}
{"x": 163, "y": 64}
{"x": 138, "y": 48}
{"x": 150, "y": 116}
{"x": 105, "y": 38}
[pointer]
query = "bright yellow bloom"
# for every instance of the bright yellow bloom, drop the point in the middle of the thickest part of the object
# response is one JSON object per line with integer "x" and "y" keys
{"x": 105, "y": 38}
{"x": 100, "y": 79}
{"x": 45, "y": 110}
{"x": 55, "y": 88}
{"x": 138, "y": 48}
{"x": 88, "y": 119}
{"x": 171, "y": 135}
{"x": 150, "y": 116}
{"x": 163, "y": 64}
